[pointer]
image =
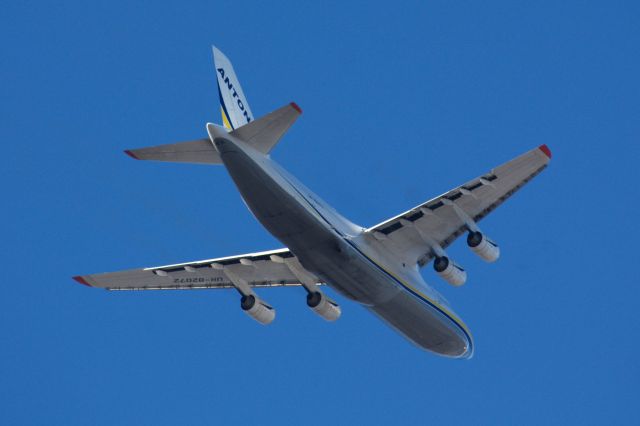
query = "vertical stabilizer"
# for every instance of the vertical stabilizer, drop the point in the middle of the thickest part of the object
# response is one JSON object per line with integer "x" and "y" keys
{"x": 233, "y": 103}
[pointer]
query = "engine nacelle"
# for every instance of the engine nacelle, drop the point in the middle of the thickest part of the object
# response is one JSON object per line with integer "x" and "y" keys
{"x": 450, "y": 271}
{"x": 257, "y": 309}
{"x": 323, "y": 306}
{"x": 483, "y": 246}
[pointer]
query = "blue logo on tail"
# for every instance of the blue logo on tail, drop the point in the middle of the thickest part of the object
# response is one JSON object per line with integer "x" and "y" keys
{"x": 234, "y": 94}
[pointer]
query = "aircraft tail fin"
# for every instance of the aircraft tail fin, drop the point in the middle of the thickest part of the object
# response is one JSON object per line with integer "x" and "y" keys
{"x": 265, "y": 132}
{"x": 233, "y": 103}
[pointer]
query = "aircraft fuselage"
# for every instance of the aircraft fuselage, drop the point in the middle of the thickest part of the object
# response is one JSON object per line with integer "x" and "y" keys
{"x": 337, "y": 251}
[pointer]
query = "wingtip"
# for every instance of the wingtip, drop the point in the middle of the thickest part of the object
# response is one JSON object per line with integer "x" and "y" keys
{"x": 545, "y": 149}
{"x": 131, "y": 154}
{"x": 81, "y": 280}
{"x": 296, "y": 107}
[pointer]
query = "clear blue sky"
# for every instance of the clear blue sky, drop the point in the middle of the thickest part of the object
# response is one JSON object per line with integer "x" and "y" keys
{"x": 401, "y": 102}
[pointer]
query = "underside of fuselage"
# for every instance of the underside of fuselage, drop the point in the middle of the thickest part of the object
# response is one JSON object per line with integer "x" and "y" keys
{"x": 335, "y": 259}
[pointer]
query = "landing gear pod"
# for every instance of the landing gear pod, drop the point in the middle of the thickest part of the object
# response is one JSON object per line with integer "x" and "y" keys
{"x": 483, "y": 246}
{"x": 323, "y": 306}
{"x": 257, "y": 309}
{"x": 450, "y": 271}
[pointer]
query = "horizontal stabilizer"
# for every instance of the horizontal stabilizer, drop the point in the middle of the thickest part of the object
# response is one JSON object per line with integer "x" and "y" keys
{"x": 265, "y": 132}
{"x": 200, "y": 151}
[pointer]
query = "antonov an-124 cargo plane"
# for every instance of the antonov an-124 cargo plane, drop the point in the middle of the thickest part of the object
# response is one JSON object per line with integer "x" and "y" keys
{"x": 378, "y": 267}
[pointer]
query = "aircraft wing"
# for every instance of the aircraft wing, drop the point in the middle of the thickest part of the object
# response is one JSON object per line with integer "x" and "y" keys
{"x": 264, "y": 269}
{"x": 439, "y": 220}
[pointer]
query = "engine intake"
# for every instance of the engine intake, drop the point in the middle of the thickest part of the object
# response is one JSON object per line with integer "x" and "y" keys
{"x": 483, "y": 246}
{"x": 450, "y": 271}
{"x": 323, "y": 306}
{"x": 257, "y": 309}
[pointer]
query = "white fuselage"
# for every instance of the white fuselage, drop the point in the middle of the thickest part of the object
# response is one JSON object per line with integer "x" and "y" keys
{"x": 340, "y": 253}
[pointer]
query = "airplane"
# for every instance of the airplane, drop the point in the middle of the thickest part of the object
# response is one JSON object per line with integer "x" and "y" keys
{"x": 378, "y": 267}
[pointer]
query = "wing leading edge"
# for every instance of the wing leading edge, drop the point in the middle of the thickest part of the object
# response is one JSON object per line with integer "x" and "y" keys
{"x": 264, "y": 269}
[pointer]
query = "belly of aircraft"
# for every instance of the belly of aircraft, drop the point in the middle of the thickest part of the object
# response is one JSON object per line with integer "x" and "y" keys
{"x": 417, "y": 319}
{"x": 424, "y": 325}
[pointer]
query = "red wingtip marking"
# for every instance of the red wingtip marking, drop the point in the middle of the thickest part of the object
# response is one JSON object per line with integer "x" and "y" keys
{"x": 131, "y": 154}
{"x": 295, "y": 105}
{"x": 545, "y": 149}
{"x": 81, "y": 281}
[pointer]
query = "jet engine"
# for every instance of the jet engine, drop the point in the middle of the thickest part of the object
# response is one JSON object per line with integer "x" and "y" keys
{"x": 257, "y": 309}
{"x": 483, "y": 246}
{"x": 450, "y": 271}
{"x": 323, "y": 306}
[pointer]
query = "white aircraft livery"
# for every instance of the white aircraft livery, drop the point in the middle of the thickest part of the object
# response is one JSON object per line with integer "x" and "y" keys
{"x": 377, "y": 267}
